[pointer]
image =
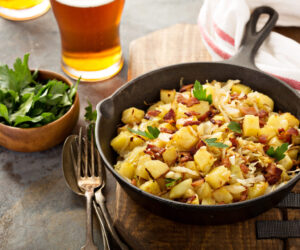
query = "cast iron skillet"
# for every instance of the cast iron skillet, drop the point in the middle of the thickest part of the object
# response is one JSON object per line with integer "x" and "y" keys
{"x": 147, "y": 88}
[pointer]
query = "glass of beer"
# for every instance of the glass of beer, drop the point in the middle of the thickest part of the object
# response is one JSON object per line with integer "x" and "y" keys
{"x": 89, "y": 31}
{"x": 20, "y": 10}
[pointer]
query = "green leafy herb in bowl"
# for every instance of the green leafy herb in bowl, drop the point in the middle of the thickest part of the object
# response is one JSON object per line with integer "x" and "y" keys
{"x": 27, "y": 102}
{"x": 38, "y": 109}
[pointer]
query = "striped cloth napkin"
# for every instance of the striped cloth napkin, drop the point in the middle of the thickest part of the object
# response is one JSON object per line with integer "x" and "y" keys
{"x": 222, "y": 24}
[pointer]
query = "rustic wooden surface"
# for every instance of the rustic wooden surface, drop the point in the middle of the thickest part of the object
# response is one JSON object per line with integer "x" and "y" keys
{"x": 144, "y": 230}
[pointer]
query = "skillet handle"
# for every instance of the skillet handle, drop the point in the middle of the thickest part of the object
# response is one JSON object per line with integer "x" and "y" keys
{"x": 252, "y": 39}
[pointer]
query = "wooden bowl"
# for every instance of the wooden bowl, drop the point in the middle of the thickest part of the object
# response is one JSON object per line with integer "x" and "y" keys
{"x": 44, "y": 137}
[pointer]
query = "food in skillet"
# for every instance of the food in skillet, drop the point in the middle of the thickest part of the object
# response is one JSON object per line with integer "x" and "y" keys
{"x": 208, "y": 144}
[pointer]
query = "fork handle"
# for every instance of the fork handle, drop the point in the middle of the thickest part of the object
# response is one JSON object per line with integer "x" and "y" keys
{"x": 111, "y": 228}
{"x": 102, "y": 225}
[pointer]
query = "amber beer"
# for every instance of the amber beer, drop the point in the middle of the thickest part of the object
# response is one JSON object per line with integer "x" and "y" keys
{"x": 20, "y": 10}
{"x": 90, "y": 39}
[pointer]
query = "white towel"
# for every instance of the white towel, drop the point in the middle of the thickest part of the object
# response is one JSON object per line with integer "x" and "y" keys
{"x": 222, "y": 24}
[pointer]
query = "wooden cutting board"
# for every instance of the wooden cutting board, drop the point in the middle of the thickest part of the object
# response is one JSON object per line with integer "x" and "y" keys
{"x": 141, "y": 228}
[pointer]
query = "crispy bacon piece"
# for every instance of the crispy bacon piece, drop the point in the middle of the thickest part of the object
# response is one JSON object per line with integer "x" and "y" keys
{"x": 218, "y": 122}
{"x": 133, "y": 181}
{"x": 191, "y": 123}
{"x": 262, "y": 122}
{"x": 166, "y": 130}
{"x": 234, "y": 141}
{"x": 244, "y": 195}
{"x": 170, "y": 116}
{"x": 154, "y": 151}
{"x": 262, "y": 113}
{"x": 188, "y": 102}
{"x": 195, "y": 148}
{"x": 226, "y": 162}
{"x": 234, "y": 96}
{"x": 185, "y": 156}
{"x": 213, "y": 111}
{"x": 266, "y": 147}
{"x": 244, "y": 168}
{"x": 152, "y": 113}
{"x": 286, "y": 136}
{"x": 186, "y": 87}
{"x": 248, "y": 110}
{"x": 191, "y": 113}
{"x": 263, "y": 139}
{"x": 272, "y": 174}
{"x": 198, "y": 182}
{"x": 205, "y": 116}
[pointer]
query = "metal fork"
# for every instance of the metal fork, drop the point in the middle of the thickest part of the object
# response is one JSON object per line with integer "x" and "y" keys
{"x": 87, "y": 179}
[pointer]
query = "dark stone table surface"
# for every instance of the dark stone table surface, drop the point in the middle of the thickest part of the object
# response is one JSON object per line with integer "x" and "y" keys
{"x": 37, "y": 210}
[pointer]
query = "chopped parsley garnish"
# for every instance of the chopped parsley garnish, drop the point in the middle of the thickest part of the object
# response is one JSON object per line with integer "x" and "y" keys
{"x": 171, "y": 182}
{"x": 27, "y": 102}
{"x": 278, "y": 154}
{"x": 212, "y": 142}
{"x": 200, "y": 93}
{"x": 151, "y": 132}
{"x": 235, "y": 127}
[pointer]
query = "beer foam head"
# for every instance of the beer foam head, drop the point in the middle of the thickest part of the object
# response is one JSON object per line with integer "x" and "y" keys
{"x": 84, "y": 3}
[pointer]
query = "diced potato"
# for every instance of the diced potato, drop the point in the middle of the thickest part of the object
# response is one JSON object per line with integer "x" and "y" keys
{"x": 209, "y": 89}
{"x": 200, "y": 108}
{"x": 275, "y": 142}
{"x": 208, "y": 201}
{"x": 278, "y": 122}
{"x": 241, "y": 88}
{"x": 236, "y": 173}
{"x": 218, "y": 177}
{"x": 121, "y": 141}
{"x": 183, "y": 139}
{"x": 204, "y": 191}
{"x": 156, "y": 168}
{"x": 167, "y": 96}
{"x": 250, "y": 125}
{"x": 222, "y": 195}
{"x": 292, "y": 120}
{"x": 263, "y": 101}
{"x": 195, "y": 201}
{"x": 132, "y": 115}
{"x": 126, "y": 170}
{"x": 135, "y": 154}
{"x": 191, "y": 165}
{"x": 170, "y": 155}
{"x": 140, "y": 169}
{"x": 164, "y": 109}
{"x": 179, "y": 190}
{"x": 219, "y": 118}
{"x": 286, "y": 162}
{"x": 236, "y": 190}
{"x": 151, "y": 187}
{"x": 204, "y": 160}
{"x": 293, "y": 153}
{"x": 135, "y": 141}
{"x": 181, "y": 110}
{"x": 155, "y": 105}
{"x": 162, "y": 183}
{"x": 257, "y": 189}
{"x": 268, "y": 131}
{"x": 189, "y": 193}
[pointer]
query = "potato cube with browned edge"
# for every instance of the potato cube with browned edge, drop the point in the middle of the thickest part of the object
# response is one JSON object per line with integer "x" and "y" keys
{"x": 179, "y": 190}
{"x": 156, "y": 168}
{"x": 218, "y": 177}
{"x": 263, "y": 101}
{"x": 121, "y": 141}
{"x": 292, "y": 120}
{"x": 132, "y": 116}
{"x": 204, "y": 191}
{"x": 151, "y": 187}
{"x": 267, "y": 131}
{"x": 257, "y": 189}
{"x": 278, "y": 122}
{"x": 222, "y": 195}
{"x": 204, "y": 160}
{"x": 286, "y": 162}
{"x": 183, "y": 139}
{"x": 240, "y": 88}
{"x": 126, "y": 170}
{"x": 167, "y": 96}
{"x": 250, "y": 125}
{"x": 170, "y": 155}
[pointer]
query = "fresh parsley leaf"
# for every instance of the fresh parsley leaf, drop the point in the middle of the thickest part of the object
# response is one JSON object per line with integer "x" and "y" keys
{"x": 278, "y": 154}
{"x": 171, "y": 182}
{"x": 212, "y": 142}
{"x": 151, "y": 133}
{"x": 200, "y": 93}
{"x": 235, "y": 127}
{"x": 90, "y": 114}
{"x": 4, "y": 112}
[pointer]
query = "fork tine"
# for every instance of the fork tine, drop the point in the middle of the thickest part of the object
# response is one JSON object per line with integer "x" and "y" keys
{"x": 79, "y": 152}
{"x": 99, "y": 166}
{"x": 92, "y": 154}
{"x": 73, "y": 159}
{"x": 86, "y": 164}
